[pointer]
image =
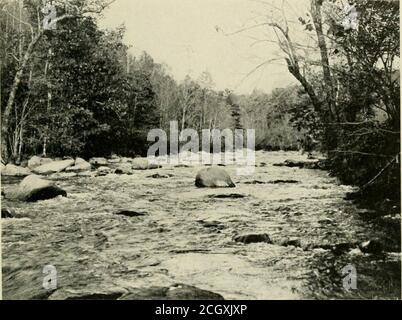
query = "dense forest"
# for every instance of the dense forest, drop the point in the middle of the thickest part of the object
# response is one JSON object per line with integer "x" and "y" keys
{"x": 75, "y": 89}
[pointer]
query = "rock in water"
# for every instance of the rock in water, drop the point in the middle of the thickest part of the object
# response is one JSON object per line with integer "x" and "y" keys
{"x": 124, "y": 168}
{"x": 372, "y": 246}
{"x": 7, "y": 213}
{"x": 213, "y": 178}
{"x": 103, "y": 171}
{"x": 80, "y": 165}
{"x": 253, "y": 238}
{"x": 175, "y": 292}
{"x": 13, "y": 170}
{"x": 34, "y": 188}
{"x": 130, "y": 213}
{"x": 98, "y": 161}
{"x": 53, "y": 167}
{"x": 36, "y": 161}
{"x": 143, "y": 164}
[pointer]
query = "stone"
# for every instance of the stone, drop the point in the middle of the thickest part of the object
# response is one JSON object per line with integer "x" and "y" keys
{"x": 98, "y": 161}
{"x": 309, "y": 164}
{"x": 213, "y": 178}
{"x": 253, "y": 238}
{"x": 36, "y": 161}
{"x": 143, "y": 164}
{"x": 86, "y": 174}
{"x": 372, "y": 246}
{"x": 114, "y": 160}
{"x": 80, "y": 165}
{"x": 124, "y": 168}
{"x": 53, "y": 167}
{"x": 174, "y": 292}
{"x": 160, "y": 176}
{"x": 227, "y": 196}
{"x": 7, "y": 213}
{"x": 13, "y": 170}
{"x": 62, "y": 175}
{"x": 103, "y": 171}
{"x": 130, "y": 213}
{"x": 290, "y": 242}
{"x": 34, "y": 188}
{"x": 211, "y": 224}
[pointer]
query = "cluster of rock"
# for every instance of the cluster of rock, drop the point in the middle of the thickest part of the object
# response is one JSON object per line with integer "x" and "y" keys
{"x": 78, "y": 167}
{"x": 174, "y": 292}
{"x": 39, "y": 171}
{"x": 372, "y": 246}
{"x": 309, "y": 164}
{"x": 34, "y": 188}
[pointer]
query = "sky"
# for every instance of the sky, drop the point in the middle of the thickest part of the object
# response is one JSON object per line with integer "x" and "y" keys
{"x": 192, "y": 36}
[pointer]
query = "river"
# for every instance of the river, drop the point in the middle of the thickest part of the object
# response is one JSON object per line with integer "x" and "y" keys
{"x": 186, "y": 236}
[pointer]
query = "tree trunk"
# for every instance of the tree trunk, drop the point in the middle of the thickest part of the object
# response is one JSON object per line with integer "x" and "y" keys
{"x": 329, "y": 86}
{"x": 11, "y": 99}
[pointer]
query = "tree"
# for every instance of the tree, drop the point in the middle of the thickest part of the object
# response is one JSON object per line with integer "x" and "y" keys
{"x": 72, "y": 9}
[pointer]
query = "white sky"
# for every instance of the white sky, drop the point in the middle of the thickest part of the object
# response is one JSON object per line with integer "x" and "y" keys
{"x": 182, "y": 34}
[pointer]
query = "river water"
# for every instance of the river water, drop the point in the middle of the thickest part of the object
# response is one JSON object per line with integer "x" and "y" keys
{"x": 186, "y": 236}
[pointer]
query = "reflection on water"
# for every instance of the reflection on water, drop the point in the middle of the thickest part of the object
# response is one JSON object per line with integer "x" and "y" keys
{"x": 186, "y": 236}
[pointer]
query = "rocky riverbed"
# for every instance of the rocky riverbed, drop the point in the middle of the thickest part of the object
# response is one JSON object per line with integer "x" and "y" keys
{"x": 284, "y": 232}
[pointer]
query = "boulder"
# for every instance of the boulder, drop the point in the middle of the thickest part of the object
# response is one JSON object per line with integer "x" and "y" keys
{"x": 36, "y": 161}
{"x": 98, "y": 161}
{"x": 124, "y": 168}
{"x": 372, "y": 246}
{"x": 34, "y": 188}
{"x": 253, "y": 238}
{"x": 295, "y": 242}
{"x": 175, "y": 292}
{"x": 160, "y": 176}
{"x": 7, "y": 213}
{"x": 62, "y": 175}
{"x": 227, "y": 196}
{"x": 213, "y": 177}
{"x": 86, "y": 174}
{"x": 143, "y": 164}
{"x": 13, "y": 170}
{"x": 114, "y": 160}
{"x": 130, "y": 213}
{"x": 53, "y": 167}
{"x": 103, "y": 171}
{"x": 80, "y": 165}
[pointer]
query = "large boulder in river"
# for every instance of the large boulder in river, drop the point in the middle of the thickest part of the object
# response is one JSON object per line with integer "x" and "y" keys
{"x": 34, "y": 188}
{"x": 80, "y": 165}
{"x": 124, "y": 168}
{"x": 98, "y": 161}
{"x": 103, "y": 171}
{"x": 253, "y": 238}
{"x": 54, "y": 166}
{"x": 13, "y": 170}
{"x": 36, "y": 161}
{"x": 175, "y": 292}
{"x": 143, "y": 164}
{"x": 213, "y": 178}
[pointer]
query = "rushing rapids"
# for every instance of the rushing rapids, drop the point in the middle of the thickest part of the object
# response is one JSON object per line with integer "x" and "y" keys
{"x": 178, "y": 233}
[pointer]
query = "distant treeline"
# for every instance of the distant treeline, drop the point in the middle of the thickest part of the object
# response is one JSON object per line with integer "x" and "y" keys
{"x": 82, "y": 93}
{"x": 76, "y": 90}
